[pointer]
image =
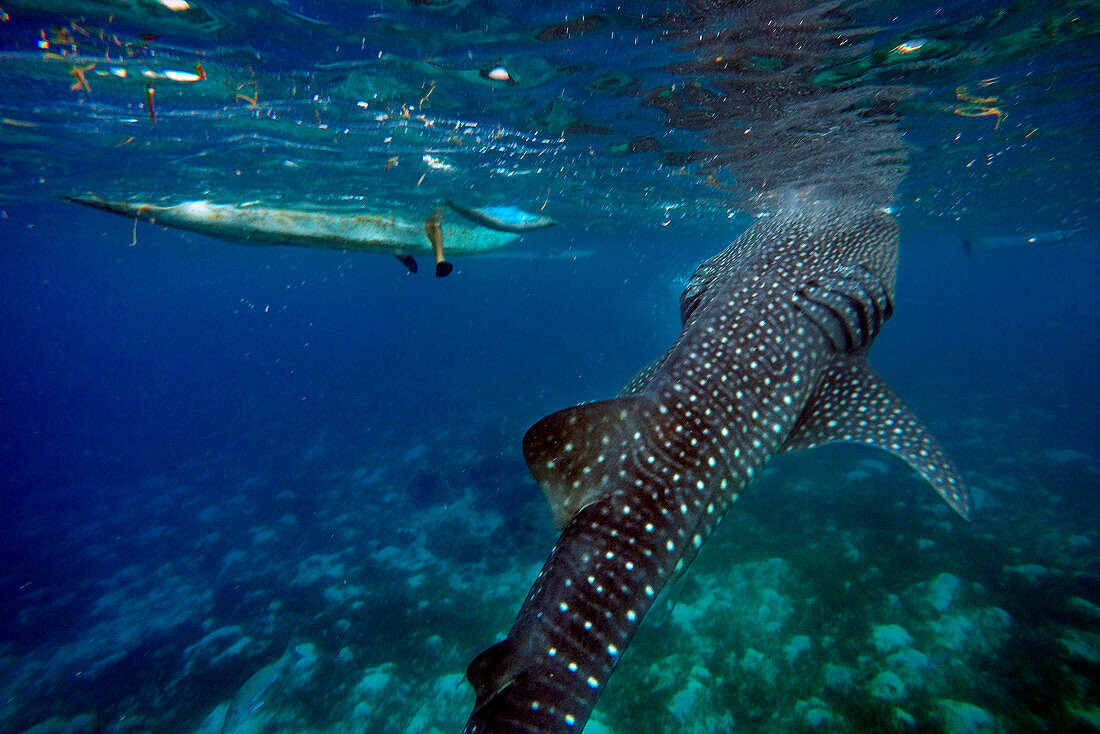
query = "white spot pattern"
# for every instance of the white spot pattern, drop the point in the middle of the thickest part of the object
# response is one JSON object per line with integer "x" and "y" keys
{"x": 766, "y": 323}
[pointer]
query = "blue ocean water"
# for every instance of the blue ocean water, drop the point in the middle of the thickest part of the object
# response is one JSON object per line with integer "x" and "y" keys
{"x": 281, "y": 489}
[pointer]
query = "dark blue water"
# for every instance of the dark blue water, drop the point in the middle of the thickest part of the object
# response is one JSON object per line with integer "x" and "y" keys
{"x": 129, "y": 372}
{"x": 124, "y": 359}
{"x": 281, "y": 489}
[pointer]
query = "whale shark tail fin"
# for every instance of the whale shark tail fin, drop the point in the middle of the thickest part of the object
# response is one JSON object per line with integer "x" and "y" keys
{"x": 854, "y": 404}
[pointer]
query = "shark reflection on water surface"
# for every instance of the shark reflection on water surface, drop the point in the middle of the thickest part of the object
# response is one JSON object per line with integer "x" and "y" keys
{"x": 771, "y": 358}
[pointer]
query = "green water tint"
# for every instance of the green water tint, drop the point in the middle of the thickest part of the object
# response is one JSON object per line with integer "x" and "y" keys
{"x": 978, "y": 40}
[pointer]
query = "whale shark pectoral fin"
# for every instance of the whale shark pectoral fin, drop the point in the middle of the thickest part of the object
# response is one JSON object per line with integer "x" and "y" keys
{"x": 493, "y": 670}
{"x": 570, "y": 453}
{"x": 852, "y": 403}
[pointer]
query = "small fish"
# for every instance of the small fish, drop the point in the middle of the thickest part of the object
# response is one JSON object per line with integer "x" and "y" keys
{"x": 771, "y": 358}
{"x": 251, "y": 697}
{"x": 503, "y": 218}
{"x": 254, "y": 693}
{"x": 1016, "y": 241}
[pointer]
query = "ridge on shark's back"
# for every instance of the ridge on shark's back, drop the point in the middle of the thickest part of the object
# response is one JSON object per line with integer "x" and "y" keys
{"x": 771, "y": 358}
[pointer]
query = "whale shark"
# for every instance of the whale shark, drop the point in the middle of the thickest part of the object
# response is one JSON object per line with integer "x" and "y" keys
{"x": 771, "y": 358}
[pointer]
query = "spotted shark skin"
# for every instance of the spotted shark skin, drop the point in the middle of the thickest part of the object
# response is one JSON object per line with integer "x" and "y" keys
{"x": 771, "y": 358}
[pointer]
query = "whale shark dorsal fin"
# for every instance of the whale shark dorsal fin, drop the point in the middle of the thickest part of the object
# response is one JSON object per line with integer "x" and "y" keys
{"x": 852, "y": 403}
{"x": 570, "y": 452}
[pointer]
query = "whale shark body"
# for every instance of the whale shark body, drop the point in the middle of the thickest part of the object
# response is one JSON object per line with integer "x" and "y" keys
{"x": 771, "y": 358}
